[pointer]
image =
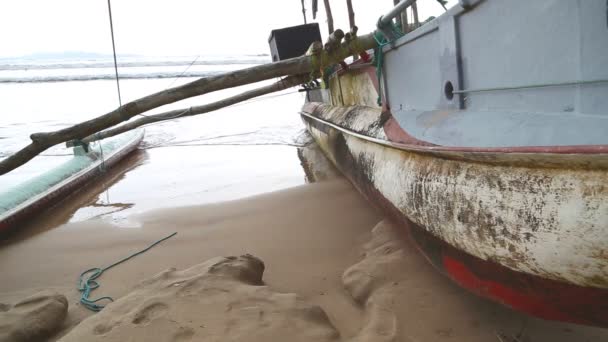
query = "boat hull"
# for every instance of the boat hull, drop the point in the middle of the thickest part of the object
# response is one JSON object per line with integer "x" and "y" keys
{"x": 13, "y": 219}
{"x": 495, "y": 163}
{"x": 530, "y": 236}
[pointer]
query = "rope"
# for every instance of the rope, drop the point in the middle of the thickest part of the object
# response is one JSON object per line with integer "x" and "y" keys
{"x": 114, "y": 52}
{"x": 443, "y": 3}
{"x": 87, "y": 284}
{"x": 189, "y": 110}
{"x": 183, "y": 72}
{"x": 262, "y": 98}
{"x": 225, "y": 144}
{"x": 542, "y": 85}
{"x": 102, "y": 166}
{"x": 378, "y": 62}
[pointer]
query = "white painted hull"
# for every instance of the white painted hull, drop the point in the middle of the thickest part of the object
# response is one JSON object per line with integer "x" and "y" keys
{"x": 546, "y": 223}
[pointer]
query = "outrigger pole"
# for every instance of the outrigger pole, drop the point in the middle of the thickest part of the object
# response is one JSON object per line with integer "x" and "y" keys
{"x": 303, "y": 69}
{"x": 310, "y": 64}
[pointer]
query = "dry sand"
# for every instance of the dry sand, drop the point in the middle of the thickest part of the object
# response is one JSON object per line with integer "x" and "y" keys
{"x": 223, "y": 299}
{"x": 315, "y": 241}
{"x": 306, "y": 236}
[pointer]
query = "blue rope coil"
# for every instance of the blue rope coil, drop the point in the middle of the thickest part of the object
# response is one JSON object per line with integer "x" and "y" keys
{"x": 86, "y": 285}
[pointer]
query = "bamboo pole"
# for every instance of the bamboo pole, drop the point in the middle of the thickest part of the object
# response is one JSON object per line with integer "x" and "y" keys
{"x": 315, "y": 8}
{"x": 330, "y": 18}
{"x": 405, "y": 25}
{"x": 303, "y": 11}
{"x": 294, "y": 66}
{"x": 415, "y": 14}
{"x": 351, "y": 13}
{"x": 351, "y": 21}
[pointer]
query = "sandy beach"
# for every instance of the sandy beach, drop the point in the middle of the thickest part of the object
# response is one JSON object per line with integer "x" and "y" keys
{"x": 357, "y": 277}
{"x": 304, "y": 241}
{"x": 480, "y": 125}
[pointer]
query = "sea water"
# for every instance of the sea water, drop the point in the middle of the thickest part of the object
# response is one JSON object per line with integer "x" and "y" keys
{"x": 231, "y": 153}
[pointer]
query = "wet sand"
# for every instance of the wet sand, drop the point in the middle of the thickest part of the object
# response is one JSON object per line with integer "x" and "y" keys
{"x": 315, "y": 240}
{"x": 170, "y": 177}
{"x": 304, "y": 235}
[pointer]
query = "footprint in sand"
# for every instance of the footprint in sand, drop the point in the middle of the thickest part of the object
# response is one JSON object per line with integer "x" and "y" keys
{"x": 102, "y": 328}
{"x": 150, "y": 312}
{"x": 183, "y": 334}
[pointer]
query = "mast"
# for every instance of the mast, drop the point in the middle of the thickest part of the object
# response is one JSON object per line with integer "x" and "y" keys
{"x": 330, "y": 18}
{"x": 415, "y": 14}
{"x": 401, "y": 19}
{"x": 351, "y": 13}
{"x": 303, "y": 11}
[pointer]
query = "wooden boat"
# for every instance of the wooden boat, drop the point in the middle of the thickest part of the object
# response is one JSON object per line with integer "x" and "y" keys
{"x": 490, "y": 149}
{"x": 26, "y": 200}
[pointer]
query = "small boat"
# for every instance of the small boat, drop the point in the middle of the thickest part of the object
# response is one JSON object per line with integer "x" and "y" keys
{"x": 24, "y": 201}
{"x": 490, "y": 148}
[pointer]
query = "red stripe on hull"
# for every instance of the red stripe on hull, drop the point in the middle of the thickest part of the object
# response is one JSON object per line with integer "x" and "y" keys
{"x": 540, "y": 297}
{"x": 395, "y": 133}
{"x": 461, "y": 274}
{"x": 537, "y": 296}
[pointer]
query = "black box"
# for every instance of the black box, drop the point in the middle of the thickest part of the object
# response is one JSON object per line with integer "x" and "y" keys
{"x": 292, "y": 41}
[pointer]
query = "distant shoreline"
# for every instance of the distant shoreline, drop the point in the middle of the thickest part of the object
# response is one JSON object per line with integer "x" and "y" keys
{"x": 103, "y": 77}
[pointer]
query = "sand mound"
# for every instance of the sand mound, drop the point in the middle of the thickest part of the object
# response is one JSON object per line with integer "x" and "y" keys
{"x": 370, "y": 280}
{"x": 223, "y": 299}
{"x": 406, "y": 299}
{"x": 35, "y": 318}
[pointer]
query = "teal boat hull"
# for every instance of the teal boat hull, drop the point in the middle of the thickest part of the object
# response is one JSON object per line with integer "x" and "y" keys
{"x": 26, "y": 200}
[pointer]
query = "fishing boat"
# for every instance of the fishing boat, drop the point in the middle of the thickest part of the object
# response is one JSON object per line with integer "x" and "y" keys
{"x": 26, "y": 200}
{"x": 484, "y": 135}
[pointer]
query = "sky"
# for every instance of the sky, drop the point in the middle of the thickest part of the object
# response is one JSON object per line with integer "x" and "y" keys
{"x": 169, "y": 27}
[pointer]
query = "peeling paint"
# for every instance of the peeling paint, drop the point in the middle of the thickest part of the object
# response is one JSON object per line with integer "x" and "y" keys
{"x": 355, "y": 88}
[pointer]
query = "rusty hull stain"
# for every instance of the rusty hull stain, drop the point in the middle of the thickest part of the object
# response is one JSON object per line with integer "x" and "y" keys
{"x": 549, "y": 222}
{"x": 433, "y": 118}
{"x": 354, "y": 88}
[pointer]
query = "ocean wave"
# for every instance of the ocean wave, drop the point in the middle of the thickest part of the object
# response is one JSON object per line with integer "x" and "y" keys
{"x": 133, "y": 64}
{"x": 97, "y": 77}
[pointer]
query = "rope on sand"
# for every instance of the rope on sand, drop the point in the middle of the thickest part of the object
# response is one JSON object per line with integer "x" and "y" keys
{"x": 87, "y": 284}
